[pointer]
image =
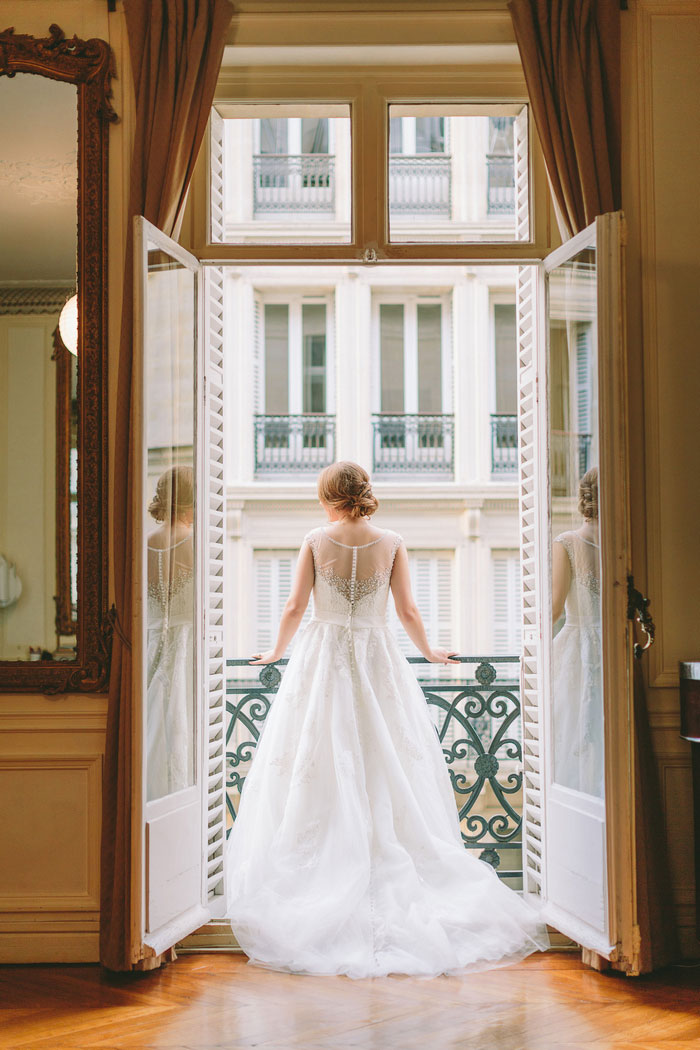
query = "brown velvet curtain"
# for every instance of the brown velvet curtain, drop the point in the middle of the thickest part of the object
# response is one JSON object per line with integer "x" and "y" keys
{"x": 176, "y": 48}
{"x": 570, "y": 51}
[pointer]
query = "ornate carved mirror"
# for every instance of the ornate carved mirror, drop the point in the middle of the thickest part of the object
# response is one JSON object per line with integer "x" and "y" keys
{"x": 54, "y": 117}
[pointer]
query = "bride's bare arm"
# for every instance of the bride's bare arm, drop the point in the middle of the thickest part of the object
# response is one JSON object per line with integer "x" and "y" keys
{"x": 294, "y": 609}
{"x": 408, "y": 614}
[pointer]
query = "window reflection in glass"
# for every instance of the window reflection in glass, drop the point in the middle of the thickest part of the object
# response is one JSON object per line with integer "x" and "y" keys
{"x": 169, "y": 406}
{"x": 576, "y": 678}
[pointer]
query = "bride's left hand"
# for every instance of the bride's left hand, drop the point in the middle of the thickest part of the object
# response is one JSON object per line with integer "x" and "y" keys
{"x": 442, "y": 656}
{"x": 270, "y": 657}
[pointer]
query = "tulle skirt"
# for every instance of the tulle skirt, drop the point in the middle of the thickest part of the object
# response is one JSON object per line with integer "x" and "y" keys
{"x": 346, "y": 855}
{"x": 577, "y": 702}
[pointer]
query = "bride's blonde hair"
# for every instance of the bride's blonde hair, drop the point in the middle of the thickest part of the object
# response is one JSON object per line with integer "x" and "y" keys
{"x": 345, "y": 486}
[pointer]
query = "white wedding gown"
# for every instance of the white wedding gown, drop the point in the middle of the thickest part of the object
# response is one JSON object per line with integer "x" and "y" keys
{"x": 346, "y": 855}
{"x": 577, "y": 680}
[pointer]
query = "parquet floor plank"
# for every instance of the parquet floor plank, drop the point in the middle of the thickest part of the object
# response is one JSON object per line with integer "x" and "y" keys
{"x": 216, "y": 1002}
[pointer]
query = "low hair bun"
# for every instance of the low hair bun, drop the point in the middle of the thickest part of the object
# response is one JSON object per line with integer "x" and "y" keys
{"x": 345, "y": 486}
{"x": 588, "y": 495}
{"x": 174, "y": 494}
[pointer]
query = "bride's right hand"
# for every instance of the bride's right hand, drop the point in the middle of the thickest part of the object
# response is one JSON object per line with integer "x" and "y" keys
{"x": 270, "y": 657}
{"x": 442, "y": 656}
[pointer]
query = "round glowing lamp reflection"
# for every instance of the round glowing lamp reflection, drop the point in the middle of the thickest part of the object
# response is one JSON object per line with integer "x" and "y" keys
{"x": 68, "y": 325}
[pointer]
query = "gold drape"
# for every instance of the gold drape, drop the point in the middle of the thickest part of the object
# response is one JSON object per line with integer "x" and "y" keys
{"x": 176, "y": 48}
{"x": 570, "y": 50}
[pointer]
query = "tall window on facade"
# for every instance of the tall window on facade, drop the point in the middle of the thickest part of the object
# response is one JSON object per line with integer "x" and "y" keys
{"x": 413, "y": 432}
{"x": 294, "y": 429}
{"x": 504, "y": 431}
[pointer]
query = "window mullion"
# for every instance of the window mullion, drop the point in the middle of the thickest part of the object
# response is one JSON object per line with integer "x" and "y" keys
{"x": 370, "y": 131}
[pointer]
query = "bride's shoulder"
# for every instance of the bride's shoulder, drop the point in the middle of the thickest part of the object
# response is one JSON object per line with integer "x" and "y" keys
{"x": 395, "y": 538}
{"x": 313, "y": 536}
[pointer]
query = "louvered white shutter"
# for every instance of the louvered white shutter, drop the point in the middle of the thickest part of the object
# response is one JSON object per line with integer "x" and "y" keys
{"x": 216, "y": 177}
{"x": 274, "y": 571}
{"x": 528, "y": 298}
{"x": 505, "y": 598}
{"x": 431, "y": 580}
{"x": 258, "y": 357}
{"x": 213, "y": 577}
{"x": 522, "y": 175}
{"x": 583, "y": 380}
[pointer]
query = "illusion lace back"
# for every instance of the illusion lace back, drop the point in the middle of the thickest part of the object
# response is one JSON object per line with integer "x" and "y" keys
{"x": 346, "y": 856}
{"x": 577, "y": 689}
{"x": 170, "y": 668}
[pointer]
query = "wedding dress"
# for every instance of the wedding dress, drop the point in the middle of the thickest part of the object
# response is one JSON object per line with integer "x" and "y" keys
{"x": 170, "y": 683}
{"x": 346, "y": 855}
{"x": 577, "y": 685}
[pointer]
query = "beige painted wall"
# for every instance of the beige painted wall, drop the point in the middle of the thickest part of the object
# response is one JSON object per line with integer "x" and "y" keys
{"x": 661, "y": 160}
{"x": 51, "y": 749}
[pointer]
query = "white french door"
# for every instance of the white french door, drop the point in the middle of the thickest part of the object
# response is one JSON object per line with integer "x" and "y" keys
{"x": 179, "y": 669}
{"x": 578, "y": 837}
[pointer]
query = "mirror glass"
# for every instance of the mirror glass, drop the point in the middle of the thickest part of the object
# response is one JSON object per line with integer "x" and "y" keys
{"x": 576, "y": 668}
{"x": 38, "y": 494}
{"x": 170, "y": 369}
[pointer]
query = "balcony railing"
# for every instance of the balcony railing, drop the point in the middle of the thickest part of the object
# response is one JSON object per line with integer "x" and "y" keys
{"x": 286, "y": 183}
{"x": 420, "y": 185}
{"x": 413, "y": 444}
{"x": 500, "y": 176}
{"x": 293, "y": 444}
{"x": 504, "y": 444}
{"x": 570, "y": 455}
{"x": 476, "y": 715}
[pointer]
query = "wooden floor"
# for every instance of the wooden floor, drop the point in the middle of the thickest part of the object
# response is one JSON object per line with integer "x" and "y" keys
{"x": 203, "y": 1002}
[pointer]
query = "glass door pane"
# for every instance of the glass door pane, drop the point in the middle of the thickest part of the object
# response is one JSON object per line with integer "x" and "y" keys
{"x": 576, "y": 666}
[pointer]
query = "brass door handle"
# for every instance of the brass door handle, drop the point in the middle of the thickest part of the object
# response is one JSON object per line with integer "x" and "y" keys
{"x": 638, "y": 610}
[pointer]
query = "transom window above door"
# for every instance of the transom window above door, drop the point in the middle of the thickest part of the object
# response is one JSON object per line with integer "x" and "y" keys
{"x": 281, "y": 174}
{"x": 458, "y": 173}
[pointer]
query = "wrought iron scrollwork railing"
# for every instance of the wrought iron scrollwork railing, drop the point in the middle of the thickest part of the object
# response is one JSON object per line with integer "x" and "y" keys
{"x": 420, "y": 185}
{"x": 504, "y": 444}
{"x": 477, "y": 720}
{"x": 300, "y": 183}
{"x": 413, "y": 444}
{"x": 297, "y": 444}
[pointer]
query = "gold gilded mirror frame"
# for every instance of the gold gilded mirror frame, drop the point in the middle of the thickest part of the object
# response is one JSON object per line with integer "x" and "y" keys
{"x": 89, "y": 65}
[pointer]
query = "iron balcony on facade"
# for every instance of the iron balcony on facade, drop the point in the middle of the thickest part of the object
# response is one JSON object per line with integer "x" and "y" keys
{"x": 420, "y": 185}
{"x": 302, "y": 444}
{"x": 413, "y": 444}
{"x": 300, "y": 183}
{"x": 504, "y": 444}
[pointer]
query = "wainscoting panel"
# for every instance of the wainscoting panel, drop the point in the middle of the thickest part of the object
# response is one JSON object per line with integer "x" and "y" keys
{"x": 51, "y": 753}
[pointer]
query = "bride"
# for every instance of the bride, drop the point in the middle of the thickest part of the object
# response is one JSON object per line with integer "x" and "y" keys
{"x": 346, "y": 855}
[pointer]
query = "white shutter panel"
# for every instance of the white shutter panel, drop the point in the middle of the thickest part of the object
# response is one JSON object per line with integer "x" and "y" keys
{"x": 505, "y": 591}
{"x": 216, "y": 177}
{"x": 583, "y": 381}
{"x": 213, "y": 576}
{"x": 522, "y": 176}
{"x": 258, "y": 357}
{"x": 274, "y": 572}
{"x": 527, "y": 305}
{"x": 431, "y": 581}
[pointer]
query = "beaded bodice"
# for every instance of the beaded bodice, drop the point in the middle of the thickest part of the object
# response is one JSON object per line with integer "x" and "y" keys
{"x": 583, "y": 600}
{"x": 170, "y": 585}
{"x": 352, "y": 581}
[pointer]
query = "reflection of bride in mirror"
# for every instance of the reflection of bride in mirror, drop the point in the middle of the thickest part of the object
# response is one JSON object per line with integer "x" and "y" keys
{"x": 576, "y": 652}
{"x": 170, "y": 552}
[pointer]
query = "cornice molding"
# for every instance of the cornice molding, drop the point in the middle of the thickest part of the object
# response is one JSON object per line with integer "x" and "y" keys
{"x": 34, "y": 300}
